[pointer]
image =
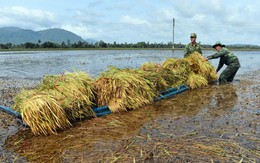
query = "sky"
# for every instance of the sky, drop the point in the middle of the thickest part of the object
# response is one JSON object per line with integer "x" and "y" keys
{"x": 132, "y": 21}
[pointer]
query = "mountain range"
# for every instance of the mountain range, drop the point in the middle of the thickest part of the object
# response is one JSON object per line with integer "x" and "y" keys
{"x": 17, "y": 36}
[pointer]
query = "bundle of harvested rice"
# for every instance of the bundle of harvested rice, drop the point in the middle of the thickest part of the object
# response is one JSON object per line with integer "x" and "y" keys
{"x": 200, "y": 66}
{"x": 169, "y": 63}
{"x": 180, "y": 67}
{"x": 195, "y": 71}
{"x": 196, "y": 81}
{"x": 77, "y": 91}
{"x": 123, "y": 89}
{"x": 163, "y": 78}
{"x": 41, "y": 111}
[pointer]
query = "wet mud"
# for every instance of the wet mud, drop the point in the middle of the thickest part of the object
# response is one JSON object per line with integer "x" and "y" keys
{"x": 217, "y": 123}
{"x": 8, "y": 124}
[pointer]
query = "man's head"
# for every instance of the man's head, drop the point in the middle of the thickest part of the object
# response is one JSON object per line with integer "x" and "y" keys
{"x": 193, "y": 37}
{"x": 218, "y": 45}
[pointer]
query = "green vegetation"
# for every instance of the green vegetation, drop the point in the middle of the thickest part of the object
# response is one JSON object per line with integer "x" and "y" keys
{"x": 101, "y": 45}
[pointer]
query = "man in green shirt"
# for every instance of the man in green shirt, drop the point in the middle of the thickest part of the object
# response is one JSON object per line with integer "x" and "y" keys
{"x": 227, "y": 58}
{"x": 192, "y": 46}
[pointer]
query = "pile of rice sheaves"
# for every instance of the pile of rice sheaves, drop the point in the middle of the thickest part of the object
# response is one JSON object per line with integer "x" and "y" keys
{"x": 195, "y": 71}
{"x": 180, "y": 67}
{"x": 201, "y": 67}
{"x": 123, "y": 89}
{"x": 202, "y": 71}
{"x": 76, "y": 93}
{"x": 163, "y": 78}
{"x": 62, "y": 99}
{"x": 41, "y": 111}
{"x": 196, "y": 81}
{"x": 56, "y": 102}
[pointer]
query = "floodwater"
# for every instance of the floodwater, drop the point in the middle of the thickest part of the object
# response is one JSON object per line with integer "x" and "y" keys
{"x": 217, "y": 123}
{"x": 36, "y": 64}
{"x": 39, "y": 63}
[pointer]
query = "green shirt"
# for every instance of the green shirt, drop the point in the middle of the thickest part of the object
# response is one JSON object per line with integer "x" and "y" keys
{"x": 190, "y": 48}
{"x": 226, "y": 57}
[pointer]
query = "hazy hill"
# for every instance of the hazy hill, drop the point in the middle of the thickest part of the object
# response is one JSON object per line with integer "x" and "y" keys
{"x": 18, "y": 36}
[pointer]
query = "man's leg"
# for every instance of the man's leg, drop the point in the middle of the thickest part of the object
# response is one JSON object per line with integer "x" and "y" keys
{"x": 223, "y": 77}
{"x": 228, "y": 74}
{"x": 231, "y": 78}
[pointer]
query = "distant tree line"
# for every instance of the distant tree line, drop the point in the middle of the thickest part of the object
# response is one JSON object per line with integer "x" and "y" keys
{"x": 102, "y": 44}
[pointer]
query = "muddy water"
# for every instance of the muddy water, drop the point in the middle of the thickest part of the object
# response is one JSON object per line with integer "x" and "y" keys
{"x": 216, "y": 123}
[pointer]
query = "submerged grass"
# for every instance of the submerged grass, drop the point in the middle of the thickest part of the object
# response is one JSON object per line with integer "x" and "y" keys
{"x": 201, "y": 149}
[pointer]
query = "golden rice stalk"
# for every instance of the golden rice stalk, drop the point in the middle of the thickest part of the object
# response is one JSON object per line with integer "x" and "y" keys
{"x": 163, "y": 78}
{"x": 77, "y": 89}
{"x": 196, "y": 81}
{"x": 123, "y": 89}
{"x": 83, "y": 94}
{"x": 195, "y": 60}
{"x": 170, "y": 63}
{"x": 200, "y": 66}
{"x": 153, "y": 73}
{"x": 49, "y": 82}
{"x": 180, "y": 67}
{"x": 41, "y": 111}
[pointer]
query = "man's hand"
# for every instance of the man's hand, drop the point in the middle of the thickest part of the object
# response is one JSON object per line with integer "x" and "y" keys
{"x": 205, "y": 59}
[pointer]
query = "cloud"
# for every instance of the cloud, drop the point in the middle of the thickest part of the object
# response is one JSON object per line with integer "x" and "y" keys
{"x": 26, "y": 18}
{"x": 135, "y": 21}
{"x": 215, "y": 20}
{"x": 83, "y": 31}
{"x": 88, "y": 17}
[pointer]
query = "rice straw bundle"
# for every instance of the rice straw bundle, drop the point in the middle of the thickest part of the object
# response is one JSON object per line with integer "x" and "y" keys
{"x": 41, "y": 111}
{"x": 200, "y": 66}
{"x": 196, "y": 81}
{"x": 180, "y": 67}
{"x": 123, "y": 89}
{"x": 77, "y": 90}
{"x": 169, "y": 63}
{"x": 163, "y": 78}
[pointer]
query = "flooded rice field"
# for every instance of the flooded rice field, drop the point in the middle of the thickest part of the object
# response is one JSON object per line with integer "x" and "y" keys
{"x": 217, "y": 123}
{"x": 34, "y": 64}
